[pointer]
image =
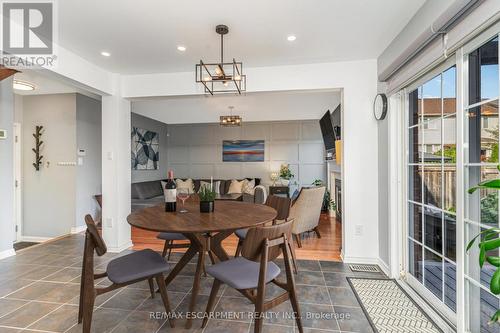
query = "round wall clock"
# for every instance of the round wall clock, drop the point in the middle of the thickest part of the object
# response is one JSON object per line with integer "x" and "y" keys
{"x": 380, "y": 106}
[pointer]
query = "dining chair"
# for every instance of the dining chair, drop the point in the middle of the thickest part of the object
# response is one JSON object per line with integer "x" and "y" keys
{"x": 169, "y": 238}
{"x": 306, "y": 211}
{"x": 255, "y": 269}
{"x": 122, "y": 271}
{"x": 282, "y": 206}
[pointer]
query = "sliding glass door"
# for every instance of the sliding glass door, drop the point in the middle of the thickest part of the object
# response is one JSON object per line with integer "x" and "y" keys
{"x": 431, "y": 197}
{"x": 439, "y": 212}
{"x": 481, "y": 162}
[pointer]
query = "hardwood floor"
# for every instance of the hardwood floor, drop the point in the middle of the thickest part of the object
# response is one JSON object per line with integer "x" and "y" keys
{"x": 325, "y": 248}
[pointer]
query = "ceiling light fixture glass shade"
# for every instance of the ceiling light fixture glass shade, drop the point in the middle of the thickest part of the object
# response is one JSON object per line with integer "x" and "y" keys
{"x": 230, "y": 121}
{"x": 222, "y": 77}
{"x": 24, "y": 86}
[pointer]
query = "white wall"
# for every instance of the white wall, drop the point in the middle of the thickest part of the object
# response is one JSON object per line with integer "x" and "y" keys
{"x": 49, "y": 194}
{"x": 88, "y": 175}
{"x": 358, "y": 80}
{"x": 162, "y": 130}
{"x": 6, "y": 169}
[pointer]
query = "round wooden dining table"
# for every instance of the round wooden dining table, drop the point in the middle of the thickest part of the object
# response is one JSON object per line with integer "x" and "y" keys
{"x": 206, "y": 231}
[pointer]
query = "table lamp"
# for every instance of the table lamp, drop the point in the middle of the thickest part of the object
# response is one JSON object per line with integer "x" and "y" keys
{"x": 274, "y": 177}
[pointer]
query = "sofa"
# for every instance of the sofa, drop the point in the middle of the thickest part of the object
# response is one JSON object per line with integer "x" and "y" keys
{"x": 150, "y": 193}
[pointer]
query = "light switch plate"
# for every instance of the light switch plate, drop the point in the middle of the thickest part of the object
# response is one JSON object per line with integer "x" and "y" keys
{"x": 3, "y": 134}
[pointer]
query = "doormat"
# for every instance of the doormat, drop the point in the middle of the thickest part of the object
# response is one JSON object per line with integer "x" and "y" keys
{"x": 388, "y": 308}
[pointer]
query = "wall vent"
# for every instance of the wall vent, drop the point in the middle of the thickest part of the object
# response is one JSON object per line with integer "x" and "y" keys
{"x": 365, "y": 268}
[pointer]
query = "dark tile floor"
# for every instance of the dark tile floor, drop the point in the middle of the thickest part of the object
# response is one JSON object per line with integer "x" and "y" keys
{"x": 39, "y": 293}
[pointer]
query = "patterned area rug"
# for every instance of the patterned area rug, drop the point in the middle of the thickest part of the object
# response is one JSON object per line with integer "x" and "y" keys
{"x": 389, "y": 308}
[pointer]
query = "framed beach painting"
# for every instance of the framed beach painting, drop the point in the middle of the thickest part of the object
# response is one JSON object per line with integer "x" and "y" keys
{"x": 243, "y": 150}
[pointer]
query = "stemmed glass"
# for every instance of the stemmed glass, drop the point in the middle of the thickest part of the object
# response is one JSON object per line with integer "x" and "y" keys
{"x": 183, "y": 195}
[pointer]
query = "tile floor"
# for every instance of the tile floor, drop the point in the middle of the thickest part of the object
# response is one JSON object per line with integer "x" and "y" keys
{"x": 39, "y": 290}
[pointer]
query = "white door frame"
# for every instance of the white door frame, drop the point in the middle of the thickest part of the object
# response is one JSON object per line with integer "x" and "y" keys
{"x": 18, "y": 198}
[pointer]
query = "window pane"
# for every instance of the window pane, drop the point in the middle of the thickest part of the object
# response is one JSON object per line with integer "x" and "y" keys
{"x": 415, "y": 221}
{"x": 483, "y": 133}
{"x": 483, "y": 204}
{"x": 449, "y": 90}
{"x": 415, "y": 105}
{"x": 415, "y": 183}
{"x": 433, "y": 275}
{"x": 474, "y": 271}
{"x": 449, "y": 189}
{"x": 450, "y": 139}
{"x": 433, "y": 229}
{"x": 450, "y": 285}
{"x": 489, "y": 69}
{"x": 415, "y": 145}
{"x": 415, "y": 260}
{"x": 482, "y": 305}
{"x": 431, "y": 91}
{"x": 432, "y": 141}
{"x": 450, "y": 231}
{"x": 432, "y": 185}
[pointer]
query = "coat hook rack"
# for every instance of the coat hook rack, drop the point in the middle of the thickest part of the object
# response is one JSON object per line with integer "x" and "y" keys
{"x": 38, "y": 143}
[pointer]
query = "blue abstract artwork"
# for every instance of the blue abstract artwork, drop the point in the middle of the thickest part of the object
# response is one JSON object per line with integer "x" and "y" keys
{"x": 145, "y": 146}
{"x": 243, "y": 150}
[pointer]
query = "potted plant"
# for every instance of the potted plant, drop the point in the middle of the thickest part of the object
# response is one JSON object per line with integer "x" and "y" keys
{"x": 328, "y": 203}
{"x": 207, "y": 200}
{"x": 488, "y": 243}
{"x": 285, "y": 174}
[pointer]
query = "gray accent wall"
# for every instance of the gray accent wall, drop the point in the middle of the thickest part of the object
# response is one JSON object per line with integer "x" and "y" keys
{"x": 88, "y": 174}
{"x": 195, "y": 150}
{"x": 161, "y": 129}
{"x": 6, "y": 166}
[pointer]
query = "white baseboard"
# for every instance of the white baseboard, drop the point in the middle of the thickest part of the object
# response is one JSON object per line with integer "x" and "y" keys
{"x": 384, "y": 267}
{"x": 35, "y": 239}
{"x": 360, "y": 260}
{"x": 7, "y": 253}
{"x": 121, "y": 248}
{"x": 77, "y": 230}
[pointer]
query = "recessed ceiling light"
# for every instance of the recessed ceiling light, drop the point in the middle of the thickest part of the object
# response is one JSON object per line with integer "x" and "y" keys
{"x": 105, "y": 54}
{"x": 291, "y": 38}
{"x": 21, "y": 85}
{"x": 181, "y": 48}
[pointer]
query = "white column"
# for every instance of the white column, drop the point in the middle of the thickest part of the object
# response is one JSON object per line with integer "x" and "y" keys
{"x": 116, "y": 173}
{"x": 6, "y": 169}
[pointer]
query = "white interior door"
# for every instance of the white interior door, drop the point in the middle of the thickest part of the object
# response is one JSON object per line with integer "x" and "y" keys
{"x": 17, "y": 183}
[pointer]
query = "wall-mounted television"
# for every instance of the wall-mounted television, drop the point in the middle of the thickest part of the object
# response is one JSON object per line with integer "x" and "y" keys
{"x": 330, "y": 128}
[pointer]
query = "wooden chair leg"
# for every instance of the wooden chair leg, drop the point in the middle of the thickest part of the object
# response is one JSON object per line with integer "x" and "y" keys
{"x": 297, "y": 239}
{"x": 294, "y": 258}
{"x": 165, "y": 249}
{"x": 82, "y": 292}
{"x": 170, "y": 249}
{"x": 290, "y": 281}
{"x": 151, "y": 287}
{"x": 211, "y": 301}
{"x": 160, "y": 280}
{"x": 259, "y": 307}
{"x": 238, "y": 248}
{"x": 88, "y": 309}
{"x": 316, "y": 230}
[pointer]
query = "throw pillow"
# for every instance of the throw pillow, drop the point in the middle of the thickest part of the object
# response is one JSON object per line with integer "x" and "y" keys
{"x": 248, "y": 186}
{"x": 185, "y": 184}
{"x": 216, "y": 185}
{"x": 235, "y": 187}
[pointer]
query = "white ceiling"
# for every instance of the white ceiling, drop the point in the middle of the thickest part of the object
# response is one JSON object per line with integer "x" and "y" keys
{"x": 142, "y": 36}
{"x": 285, "y": 105}
{"x": 45, "y": 85}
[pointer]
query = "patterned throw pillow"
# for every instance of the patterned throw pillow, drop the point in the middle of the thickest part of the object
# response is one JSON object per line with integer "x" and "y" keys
{"x": 207, "y": 184}
{"x": 185, "y": 184}
{"x": 248, "y": 187}
{"x": 236, "y": 187}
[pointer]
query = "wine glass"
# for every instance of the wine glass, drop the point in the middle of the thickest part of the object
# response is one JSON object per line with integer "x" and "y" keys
{"x": 183, "y": 195}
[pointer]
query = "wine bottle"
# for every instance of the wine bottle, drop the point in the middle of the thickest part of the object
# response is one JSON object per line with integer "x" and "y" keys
{"x": 170, "y": 193}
